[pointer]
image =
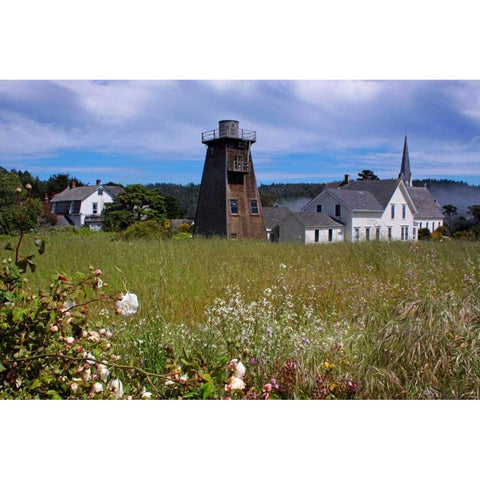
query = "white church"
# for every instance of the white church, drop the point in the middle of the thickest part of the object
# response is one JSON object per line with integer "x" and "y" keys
{"x": 362, "y": 210}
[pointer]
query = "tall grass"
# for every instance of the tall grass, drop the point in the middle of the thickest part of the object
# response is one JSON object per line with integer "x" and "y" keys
{"x": 400, "y": 318}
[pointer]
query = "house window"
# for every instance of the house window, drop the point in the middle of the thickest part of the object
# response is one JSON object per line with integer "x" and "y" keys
{"x": 414, "y": 233}
{"x": 404, "y": 211}
{"x": 233, "y": 235}
{"x": 420, "y": 224}
{"x": 392, "y": 210}
{"x": 433, "y": 226}
{"x": 389, "y": 233}
{"x": 426, "y": 226}
{"x": 337, "y": 210}
{"x": 319, "y": 208}
{"x": 317, "y": 235}
{"x": 377, "y": 233}
{"x": 367, "y": 233}
{"x": 254, "y": 207}
{"x": 357, "y": 234}
{"x": 404, "y": 233}
{"x": 95, "y": 208}
{"x": 54, "y": 207}
{"x": 71, "y": 208}
{"x": 330, "y": 234}
{"x": 100, "y": 191}
{"x": 234, "y": 207}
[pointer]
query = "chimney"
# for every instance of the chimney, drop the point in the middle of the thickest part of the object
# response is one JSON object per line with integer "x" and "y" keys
{"x": 347, "y": 178}
{"x": 73, "y": 184}
{"x": 99, "y": 182}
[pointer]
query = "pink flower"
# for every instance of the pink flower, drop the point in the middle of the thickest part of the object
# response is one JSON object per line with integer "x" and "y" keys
{"x": 54, "y": 329}
{"x": 268, "y": 387}
{"x": 98, "y": 272}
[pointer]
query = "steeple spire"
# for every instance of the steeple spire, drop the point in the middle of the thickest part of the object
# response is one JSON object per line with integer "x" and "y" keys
{"x": 405, "y": 173}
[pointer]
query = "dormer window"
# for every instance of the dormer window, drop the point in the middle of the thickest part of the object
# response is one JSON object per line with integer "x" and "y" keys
{"x": 319, "y": 208}
{"x": 100, "y": 191}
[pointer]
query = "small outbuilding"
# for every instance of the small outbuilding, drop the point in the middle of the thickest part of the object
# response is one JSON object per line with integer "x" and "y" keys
{"x": 310, "y": 227}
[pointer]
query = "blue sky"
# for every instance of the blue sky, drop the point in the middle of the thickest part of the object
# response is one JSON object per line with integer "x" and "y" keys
{"x": 307, "y": 131}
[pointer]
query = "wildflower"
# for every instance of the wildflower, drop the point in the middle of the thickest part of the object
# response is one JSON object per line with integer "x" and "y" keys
{"x": 74, "y": 387}
{"x": 283, "y": 266}
{"x": 86, "y": 375}
{"x": 117, "y": 388}
{"x": 102, "y": 371}
{"x": 146, "y": 394}
{"x": 240, "y": 370}
{"x": 169, "y": 382}
{"x": 98, "y": 387}
{"x": 98, "y": 283}
{"x": 128, "y": 305}
{"x": 69, "y": 340}
{"x": 235, "y": 384}
{"x": 90, "y": 358}
{"x": 269, "y": 331}
{"x": 28, "y": 186}
{"x": 268, "y": 387}
{"x": 62, "y": 278}
{"x": 54, "y": 328}
{"x": 98, "y": 272}
{"x": 253, "y": 361}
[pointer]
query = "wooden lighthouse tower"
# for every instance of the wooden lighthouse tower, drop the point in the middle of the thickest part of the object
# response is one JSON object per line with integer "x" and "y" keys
{"x": 229, "y": 202}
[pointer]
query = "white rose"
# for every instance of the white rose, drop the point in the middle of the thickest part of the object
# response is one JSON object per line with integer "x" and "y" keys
{"x": 128, "y": 304}
{"x": 240, "y": 370}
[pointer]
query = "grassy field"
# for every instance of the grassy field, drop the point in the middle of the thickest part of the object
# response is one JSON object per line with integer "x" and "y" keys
{"x": 370, "y": 320}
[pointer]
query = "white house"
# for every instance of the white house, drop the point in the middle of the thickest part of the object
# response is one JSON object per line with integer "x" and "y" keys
{"x": 310, "y": 227}
{"x": 369, "y": 209}
{"x": 80, "y": 206}
{"x": 379, "y": 209}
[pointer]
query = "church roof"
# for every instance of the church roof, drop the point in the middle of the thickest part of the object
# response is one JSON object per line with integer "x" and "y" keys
{"x": 427, "y": 207}
{"x": 405, "y": 172}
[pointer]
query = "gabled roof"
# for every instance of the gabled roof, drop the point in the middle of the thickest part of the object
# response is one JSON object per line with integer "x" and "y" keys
{"x": 425, "y": 203}
{"x": 316, "y": 219}
{"x": 81, "y": 193}
{"x": 274, "y": 215}
{"x": 382, "y": 190}
{"x": 356, "y": 199}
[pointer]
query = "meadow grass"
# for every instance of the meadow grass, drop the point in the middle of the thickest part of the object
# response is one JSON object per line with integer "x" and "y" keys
{"x": 400, "y": 318}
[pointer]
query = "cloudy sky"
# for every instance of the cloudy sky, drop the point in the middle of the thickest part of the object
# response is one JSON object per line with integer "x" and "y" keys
{"x": 307, "y": 131}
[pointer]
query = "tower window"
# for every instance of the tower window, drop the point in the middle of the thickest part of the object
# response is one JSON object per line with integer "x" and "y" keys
{"x": 234, "y": 207}
{"x": 254, "y": 207}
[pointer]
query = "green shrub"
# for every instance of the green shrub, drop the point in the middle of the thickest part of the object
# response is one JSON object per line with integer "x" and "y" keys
{"x": 146, "y": 229}
{"x": 464, "y": 235}
{"x": 424, "y": 234}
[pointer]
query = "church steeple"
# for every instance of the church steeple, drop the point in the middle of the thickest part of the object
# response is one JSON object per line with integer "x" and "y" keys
{"x": 405, "y": 173}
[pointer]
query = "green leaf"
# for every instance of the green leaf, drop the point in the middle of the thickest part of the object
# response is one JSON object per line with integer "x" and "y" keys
{"x": 208, "y": 388}
{"x": 53, "y": 394}
{"x": 2, "y": 368}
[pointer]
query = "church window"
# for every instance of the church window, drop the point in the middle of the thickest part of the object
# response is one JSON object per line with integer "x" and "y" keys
{"x": 234, "y": 207}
